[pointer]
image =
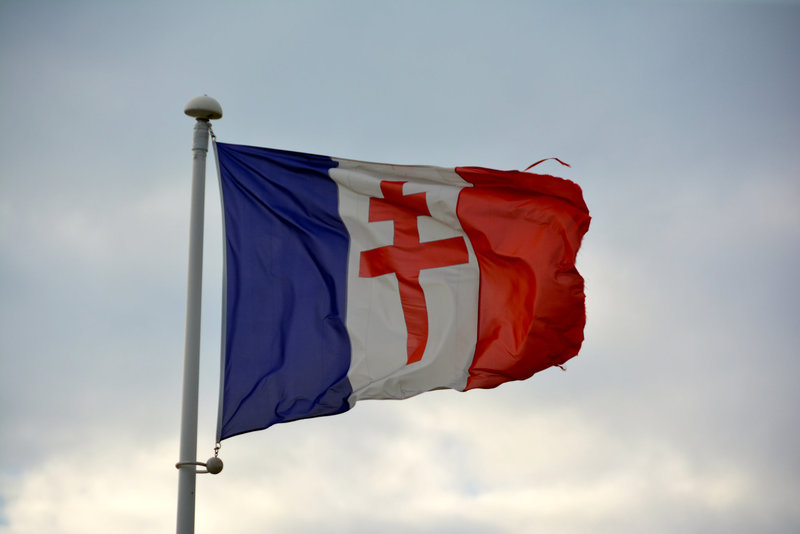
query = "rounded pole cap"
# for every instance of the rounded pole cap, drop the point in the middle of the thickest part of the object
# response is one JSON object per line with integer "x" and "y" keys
{"x": 203, "y": 107}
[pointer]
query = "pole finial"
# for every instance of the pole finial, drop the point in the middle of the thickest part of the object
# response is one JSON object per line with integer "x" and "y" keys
{"x": 204, "y": 108}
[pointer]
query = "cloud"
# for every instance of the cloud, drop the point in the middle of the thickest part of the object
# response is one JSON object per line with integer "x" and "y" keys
{"x": 85, "y": 491}
{"x": 425, "y": 466}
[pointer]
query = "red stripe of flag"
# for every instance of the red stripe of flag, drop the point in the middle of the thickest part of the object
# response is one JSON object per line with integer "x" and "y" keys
{"x": 525, "y": 230}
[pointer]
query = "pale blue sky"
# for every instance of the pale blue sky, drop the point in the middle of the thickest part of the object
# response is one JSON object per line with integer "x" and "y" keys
{"x": 682, "y": 123}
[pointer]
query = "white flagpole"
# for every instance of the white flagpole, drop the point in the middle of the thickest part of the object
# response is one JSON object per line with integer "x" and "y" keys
{"x": 202, "y": 108}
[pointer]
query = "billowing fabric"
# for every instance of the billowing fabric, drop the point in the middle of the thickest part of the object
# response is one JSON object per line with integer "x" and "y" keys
{"x": 348, "y": 280}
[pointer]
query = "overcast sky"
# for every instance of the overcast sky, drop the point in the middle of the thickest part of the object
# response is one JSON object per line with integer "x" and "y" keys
{"x": 682, "y": 124}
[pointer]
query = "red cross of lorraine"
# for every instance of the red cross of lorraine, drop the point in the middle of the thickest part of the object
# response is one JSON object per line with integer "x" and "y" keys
{"x": 408, "y": 256}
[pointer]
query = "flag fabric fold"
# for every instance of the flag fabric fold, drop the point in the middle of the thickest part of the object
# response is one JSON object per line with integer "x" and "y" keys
{"x": 349, "y": 280}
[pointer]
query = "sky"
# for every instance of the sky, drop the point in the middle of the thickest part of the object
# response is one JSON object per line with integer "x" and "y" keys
{"x": 681, "y": 121}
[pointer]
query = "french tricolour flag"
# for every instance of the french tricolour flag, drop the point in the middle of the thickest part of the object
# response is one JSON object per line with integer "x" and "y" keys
{"x": 348, "y": 280}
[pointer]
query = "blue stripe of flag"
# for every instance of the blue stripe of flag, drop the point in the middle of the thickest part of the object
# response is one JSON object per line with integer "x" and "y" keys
{"x": 287, "y": 350}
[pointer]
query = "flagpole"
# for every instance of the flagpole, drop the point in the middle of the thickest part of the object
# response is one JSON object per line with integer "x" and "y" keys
{"x": 202, "y": 108}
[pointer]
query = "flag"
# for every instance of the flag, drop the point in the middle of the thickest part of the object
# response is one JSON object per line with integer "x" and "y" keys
{"x": 348, "y": 280}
